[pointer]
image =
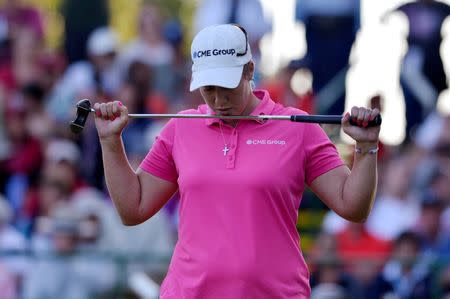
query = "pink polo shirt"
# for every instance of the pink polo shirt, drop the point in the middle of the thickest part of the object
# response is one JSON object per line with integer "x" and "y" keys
{"x": 238, "y": 212}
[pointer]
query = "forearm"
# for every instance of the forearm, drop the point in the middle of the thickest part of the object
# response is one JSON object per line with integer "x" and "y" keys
{"x": 360, "y": 186}
{"x": 121, "y": 179}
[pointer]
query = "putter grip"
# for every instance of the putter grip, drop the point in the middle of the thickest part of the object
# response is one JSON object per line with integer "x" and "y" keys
{"x": 330, "y": 119}
{"x": 373, "y": 123}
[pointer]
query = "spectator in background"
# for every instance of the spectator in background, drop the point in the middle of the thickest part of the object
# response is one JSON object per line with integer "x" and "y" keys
{"x": 26, "y": 58}
{"x": 38, "y": 207}
{"x": 81, "y": 17}
{"x": 100, "y": 231}
{"x": 59, "y": 178}
{"x": 407, "y": 274}
{"x": 330, "y": 31}
{"x": 330, "y": 271}
{"x": 52, "y": 277}
{"x": 385, "y": 222}
{"x": 21, "y": 49}
{"x": 38, "y": 121}
{"x": 422, "y": 75}
{"x": 98, "y": 221}
{"x": 96, "y": 78}
{"x": 327, "y": 269}
{"x": 281, "y": 87}
{"x": 440, "y": 185}
{"x": 444, "y": 281}
{"x": 153, "y": 240}
{"x": 16, "y": 17}
{"x": 179, "y": 97}
{"x": 213, "y": 12}
{"x": 435, "y": 242}
{"x": 325, "y": 244}
{"x": 433, "y": 179}
{"x": 76, "y": 276}
{"x": 328, "y": 291}
{"x": 362, "y": 253}
{"x": 24, "y": 159}
{"x": 152, "y": 48}
{"x": 13, "y": 266}
{"x": 19, "y": 16}
{"x": 138, "y": 92}
{"x": 62, "y": 164}
{"x": 8, "y": 287}
{"x": 395, "y": 192}
{"x": 429, "y": 133}
{"x": 140, "y": 95}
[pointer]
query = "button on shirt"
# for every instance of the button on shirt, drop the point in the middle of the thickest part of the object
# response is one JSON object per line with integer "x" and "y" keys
{"x": 238, "y": 212}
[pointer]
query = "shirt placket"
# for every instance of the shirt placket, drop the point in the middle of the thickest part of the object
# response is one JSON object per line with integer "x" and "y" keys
{"x": 231, "y": 156}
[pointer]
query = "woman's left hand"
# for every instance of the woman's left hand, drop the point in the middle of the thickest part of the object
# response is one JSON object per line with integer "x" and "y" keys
{"x": 361, "y": 133}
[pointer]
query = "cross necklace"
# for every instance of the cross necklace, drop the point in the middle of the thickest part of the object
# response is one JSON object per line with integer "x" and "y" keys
{"x": 226, "y": 149}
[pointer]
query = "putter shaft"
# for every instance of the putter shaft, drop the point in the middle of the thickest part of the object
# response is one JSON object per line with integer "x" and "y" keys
{"x": 330, "y": 119}
{"x": 84, "y": 108}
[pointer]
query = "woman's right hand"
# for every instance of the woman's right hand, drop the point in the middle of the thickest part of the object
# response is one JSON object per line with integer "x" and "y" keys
{"x": 110, "y": 119}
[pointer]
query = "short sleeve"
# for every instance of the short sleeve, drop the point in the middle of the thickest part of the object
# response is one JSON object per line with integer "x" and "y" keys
{"x": 321, "y": 154}
{"x": 159, "y": 160}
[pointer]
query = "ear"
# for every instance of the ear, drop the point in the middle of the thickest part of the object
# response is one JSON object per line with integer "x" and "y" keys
{"x": 249, "y": 70}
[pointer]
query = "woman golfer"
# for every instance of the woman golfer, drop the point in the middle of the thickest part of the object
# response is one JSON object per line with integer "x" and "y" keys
{"x": 240, "y": 182}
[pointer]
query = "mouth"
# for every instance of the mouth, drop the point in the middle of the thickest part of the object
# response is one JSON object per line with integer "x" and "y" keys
{"x": 226, "y": 111}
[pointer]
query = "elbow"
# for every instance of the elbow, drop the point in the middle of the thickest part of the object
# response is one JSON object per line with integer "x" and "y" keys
{"x": 358, "y": 217}
{"x": 135, "y": 218}
{"x": 358, "y": 213}
{"x": 130, "y": 221}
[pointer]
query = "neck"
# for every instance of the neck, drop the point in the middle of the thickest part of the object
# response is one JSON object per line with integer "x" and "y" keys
{"x": 252, "y": 103}
{"x": 233, "y": 123}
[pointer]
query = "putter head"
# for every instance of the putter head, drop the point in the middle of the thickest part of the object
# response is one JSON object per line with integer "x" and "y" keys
{"x": 83, "y": 109}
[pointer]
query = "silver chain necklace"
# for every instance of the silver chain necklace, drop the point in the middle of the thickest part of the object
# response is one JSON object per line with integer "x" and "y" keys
{"x": 226, "y": 149}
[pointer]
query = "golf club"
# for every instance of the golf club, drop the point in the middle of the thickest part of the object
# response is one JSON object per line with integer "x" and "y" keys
{"x": 84, "y": 108}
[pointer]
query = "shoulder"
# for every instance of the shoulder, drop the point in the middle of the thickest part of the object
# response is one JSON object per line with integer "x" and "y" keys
{"x": 187, "y": 123}
{"x": 280, "y": 109}
{"x": 202, "y": 109}
{"x": 199, "y": 111}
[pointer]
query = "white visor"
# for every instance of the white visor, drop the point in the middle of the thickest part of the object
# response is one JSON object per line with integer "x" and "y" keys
{"x": 228, "y": 77}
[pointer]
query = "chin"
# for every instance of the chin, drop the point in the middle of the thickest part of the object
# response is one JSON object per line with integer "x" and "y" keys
{"x": 224, "y": 113}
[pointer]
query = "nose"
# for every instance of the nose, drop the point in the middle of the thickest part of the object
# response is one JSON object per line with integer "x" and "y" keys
{"x": 220, "y": 98}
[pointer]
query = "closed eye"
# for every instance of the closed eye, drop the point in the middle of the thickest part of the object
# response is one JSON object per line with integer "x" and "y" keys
{"x": 208, "y": 88}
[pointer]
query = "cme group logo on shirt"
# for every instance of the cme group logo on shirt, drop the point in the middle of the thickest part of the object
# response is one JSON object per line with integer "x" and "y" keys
{"x": 213, "y": 52}
{"x": 265, "y": 142}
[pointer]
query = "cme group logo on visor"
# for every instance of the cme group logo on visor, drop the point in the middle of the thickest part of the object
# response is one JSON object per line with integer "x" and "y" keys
{"x": 213, "y": 52}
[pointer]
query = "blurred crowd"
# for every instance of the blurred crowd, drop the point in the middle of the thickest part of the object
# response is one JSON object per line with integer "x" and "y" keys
{"x": 59, "y": 233}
